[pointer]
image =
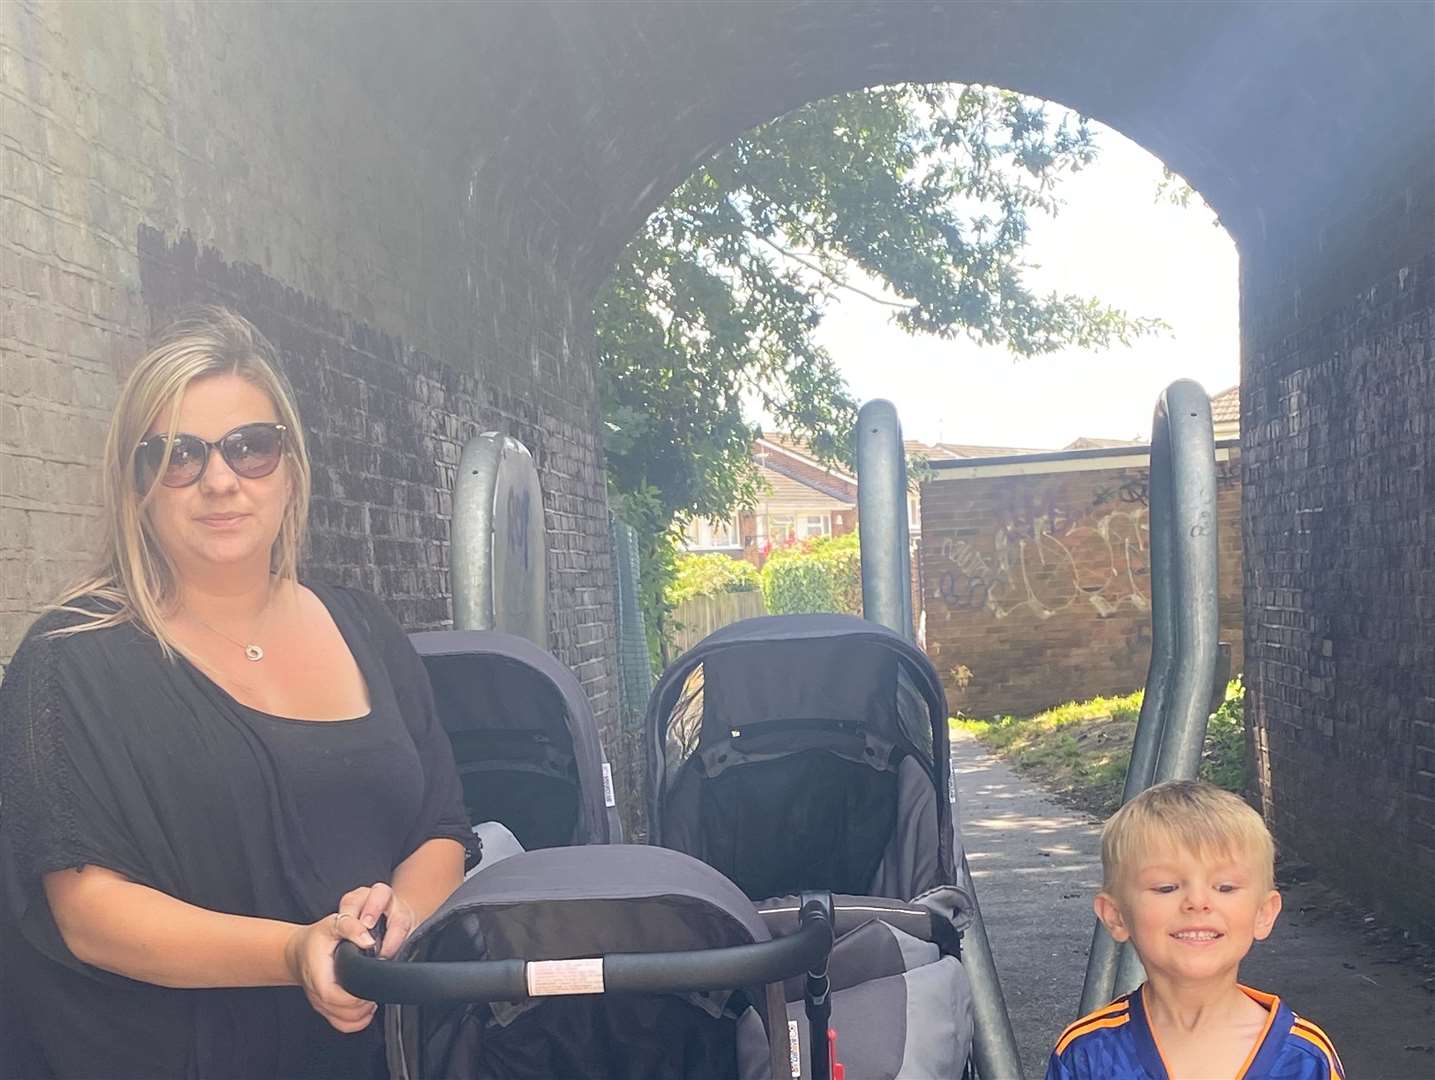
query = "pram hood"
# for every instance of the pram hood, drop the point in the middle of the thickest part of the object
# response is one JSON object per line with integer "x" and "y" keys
{"x": 566, "y": 903}
{"x": 792, "y": 672}
{"x": 485, "y": 680}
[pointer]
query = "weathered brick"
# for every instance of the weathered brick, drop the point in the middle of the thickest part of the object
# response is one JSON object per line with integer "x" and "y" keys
{"x": 1043, "y": 591}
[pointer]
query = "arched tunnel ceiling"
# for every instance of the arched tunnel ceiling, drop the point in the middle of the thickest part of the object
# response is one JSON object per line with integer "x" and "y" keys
{"x": 577, "y": 118}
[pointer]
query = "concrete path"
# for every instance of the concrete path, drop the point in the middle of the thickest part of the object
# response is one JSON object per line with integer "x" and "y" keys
{"x": 1037, "y": 865}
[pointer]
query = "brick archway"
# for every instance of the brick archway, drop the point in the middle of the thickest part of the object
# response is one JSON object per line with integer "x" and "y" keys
{"x": 419, "y": 200}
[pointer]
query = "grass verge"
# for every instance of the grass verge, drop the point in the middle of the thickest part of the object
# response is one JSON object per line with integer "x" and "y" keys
{"x": 1080, "y": 750}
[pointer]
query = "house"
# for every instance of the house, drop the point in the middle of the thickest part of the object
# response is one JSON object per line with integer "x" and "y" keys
{"x": 803, "y": 497}
{"x": 1226, "y": 414}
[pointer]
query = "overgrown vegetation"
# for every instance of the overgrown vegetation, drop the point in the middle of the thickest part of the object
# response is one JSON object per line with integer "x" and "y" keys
{"x": 1080, "y": 750}
{"x": 709, "y": 575}
{"x": 822, "y": 574}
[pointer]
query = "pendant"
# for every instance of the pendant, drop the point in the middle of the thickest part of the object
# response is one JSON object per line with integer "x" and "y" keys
{"x": 253, "y": 652}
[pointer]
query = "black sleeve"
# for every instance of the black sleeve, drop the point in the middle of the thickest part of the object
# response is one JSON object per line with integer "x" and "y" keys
{"x": 443, "y": 814}
{"x": 59, "y": 807}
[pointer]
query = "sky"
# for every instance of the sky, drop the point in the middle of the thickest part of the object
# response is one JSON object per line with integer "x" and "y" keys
{"x": 1111, "y": 240}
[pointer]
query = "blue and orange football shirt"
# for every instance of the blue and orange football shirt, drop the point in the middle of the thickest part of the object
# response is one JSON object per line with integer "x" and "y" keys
{"x": 1115, "y": 1043}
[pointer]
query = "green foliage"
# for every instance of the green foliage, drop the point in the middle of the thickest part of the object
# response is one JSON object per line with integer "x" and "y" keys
{"x": 1224, "y": 758}
{"x": 1018, "y": 733}
{"x": 1082, "y": 749}
{"x": 712, "y": 307}
{"x": 709, "y": 575}
{"x": 658, "y": 538}
{"x": 822, "y": 574}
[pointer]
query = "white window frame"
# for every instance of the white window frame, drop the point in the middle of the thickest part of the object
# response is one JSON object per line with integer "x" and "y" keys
{"x": 701, "y": 535}
{"x": 823, "y": 522}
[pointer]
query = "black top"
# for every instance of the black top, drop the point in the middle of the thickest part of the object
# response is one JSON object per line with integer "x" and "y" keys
{"x": 111, "y": 755}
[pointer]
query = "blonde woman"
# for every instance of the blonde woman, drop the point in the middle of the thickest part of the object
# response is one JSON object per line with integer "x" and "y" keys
{"x": 212, "y": 773}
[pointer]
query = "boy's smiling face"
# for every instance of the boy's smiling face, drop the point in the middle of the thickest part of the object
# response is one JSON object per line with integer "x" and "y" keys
{"x": 1191, "y": 916}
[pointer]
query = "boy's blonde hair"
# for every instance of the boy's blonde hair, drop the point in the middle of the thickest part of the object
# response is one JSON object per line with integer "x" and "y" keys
{"x": 1189, "y": 814}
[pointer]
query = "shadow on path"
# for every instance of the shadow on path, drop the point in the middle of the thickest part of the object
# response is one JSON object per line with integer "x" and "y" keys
{"x": 1037, "y": 865}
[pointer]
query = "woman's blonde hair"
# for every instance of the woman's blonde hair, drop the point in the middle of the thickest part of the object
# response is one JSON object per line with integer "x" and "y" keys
{"x": 134, "y": 581}
{"x": 1190, "y": 815}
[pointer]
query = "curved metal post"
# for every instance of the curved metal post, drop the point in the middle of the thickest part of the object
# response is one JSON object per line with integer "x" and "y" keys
{"x": 882, "y": 517}
{"x": 1105, "y": 953}
{"x": 887, "y": 599}
{"x": 1197, "y": 573}
{"x": 1185, "y": 625}
{"x": 498, "y": 564}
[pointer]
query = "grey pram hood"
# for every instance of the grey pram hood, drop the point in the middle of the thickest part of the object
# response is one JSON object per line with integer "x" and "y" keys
{"x": 875, "y": 808}
{"x": 569, "y": 903}
{"x": 524, "y": 737}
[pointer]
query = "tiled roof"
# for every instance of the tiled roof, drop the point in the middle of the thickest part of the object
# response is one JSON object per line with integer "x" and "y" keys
{"x": 1086, "y": 442}
{"x": 790, "y": 442}
{"x": 784, "y": 482}
{"x": 921, "y": 449}
{"x": 820, "y": 476}
{"x": 969, "y": 450}
{"x": 1226, "y": 406}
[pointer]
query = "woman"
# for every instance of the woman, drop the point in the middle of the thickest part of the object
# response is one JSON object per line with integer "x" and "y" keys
{"x": 212, "y": 773}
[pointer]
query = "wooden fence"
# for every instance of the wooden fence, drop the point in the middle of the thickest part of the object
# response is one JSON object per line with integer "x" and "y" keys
{"x": 699, "y": 616}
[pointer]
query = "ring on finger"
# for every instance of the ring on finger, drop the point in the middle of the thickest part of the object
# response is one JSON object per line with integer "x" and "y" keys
{"x": 341, "y": 915}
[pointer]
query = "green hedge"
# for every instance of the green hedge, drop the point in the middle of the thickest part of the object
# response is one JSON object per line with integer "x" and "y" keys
{"x": 823, "y": 574}
{"x": 709, "y": 575}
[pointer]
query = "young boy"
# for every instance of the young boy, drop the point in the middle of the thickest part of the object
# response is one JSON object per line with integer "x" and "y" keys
{"x": 1189, "y": 879}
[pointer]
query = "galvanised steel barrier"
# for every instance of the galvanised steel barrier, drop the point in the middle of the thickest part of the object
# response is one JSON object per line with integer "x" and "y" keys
{"x": 887, "y": 599}
{"x": 1185, "y": 628}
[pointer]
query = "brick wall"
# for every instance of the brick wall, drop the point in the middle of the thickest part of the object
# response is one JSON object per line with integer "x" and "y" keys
{"x": 1338, "y": 434}
{"x": 1039, "y": 583}
{"x": 161, "y": 154}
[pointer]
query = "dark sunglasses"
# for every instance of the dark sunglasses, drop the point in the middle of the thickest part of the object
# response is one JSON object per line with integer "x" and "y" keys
{"x": 251, "y": 451}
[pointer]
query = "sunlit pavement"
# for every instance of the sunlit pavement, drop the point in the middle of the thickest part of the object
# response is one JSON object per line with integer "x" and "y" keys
{"x": 1037, "y": 865}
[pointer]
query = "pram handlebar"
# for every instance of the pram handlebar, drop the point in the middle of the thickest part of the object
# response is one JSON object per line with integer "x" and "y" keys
{"x": 451, "y": 981}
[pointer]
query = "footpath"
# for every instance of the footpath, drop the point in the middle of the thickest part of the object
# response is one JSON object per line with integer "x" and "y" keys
{"x": 1037, "y": 865}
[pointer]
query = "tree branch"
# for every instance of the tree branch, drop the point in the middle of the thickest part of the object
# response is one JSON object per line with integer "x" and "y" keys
{"x": 833, "y": 278}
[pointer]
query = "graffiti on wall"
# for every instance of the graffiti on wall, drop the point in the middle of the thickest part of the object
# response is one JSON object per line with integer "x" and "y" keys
{"x": 1049, "y": 562}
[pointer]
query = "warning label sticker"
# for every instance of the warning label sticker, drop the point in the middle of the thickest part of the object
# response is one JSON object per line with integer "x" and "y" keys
{"x": 551, "y": 978}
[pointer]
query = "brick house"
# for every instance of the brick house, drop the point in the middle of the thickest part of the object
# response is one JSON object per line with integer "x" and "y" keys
{"x": 803, "y": 498}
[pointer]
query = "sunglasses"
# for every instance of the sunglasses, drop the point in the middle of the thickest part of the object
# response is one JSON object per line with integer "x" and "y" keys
{"x": 251, "y": 451}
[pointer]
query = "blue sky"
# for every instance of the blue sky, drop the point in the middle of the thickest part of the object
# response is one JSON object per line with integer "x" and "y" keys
{"x": 1112, "y": 240}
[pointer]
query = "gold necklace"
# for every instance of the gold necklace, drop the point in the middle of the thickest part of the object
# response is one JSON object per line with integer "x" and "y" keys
{"x": 253, "y": 652}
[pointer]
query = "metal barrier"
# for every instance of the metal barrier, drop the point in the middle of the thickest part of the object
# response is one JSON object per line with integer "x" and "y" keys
{"x": 887, "y": 599}
{"x": 498, "y": 550}
{"x": 1185, "y": 624}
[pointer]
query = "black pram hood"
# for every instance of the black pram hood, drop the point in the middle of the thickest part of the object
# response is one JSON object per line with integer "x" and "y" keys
{"x": 795, "y": 668}
{"x": 508, "y": 677}
{"x": 576, "y": 902}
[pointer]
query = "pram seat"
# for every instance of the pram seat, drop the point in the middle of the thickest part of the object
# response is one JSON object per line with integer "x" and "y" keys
{"x": 811, "y": 752}
{"x": 900, "y": 997}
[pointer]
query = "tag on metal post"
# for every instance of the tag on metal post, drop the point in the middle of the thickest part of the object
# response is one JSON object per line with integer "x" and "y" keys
{"x": 610, "y": 798}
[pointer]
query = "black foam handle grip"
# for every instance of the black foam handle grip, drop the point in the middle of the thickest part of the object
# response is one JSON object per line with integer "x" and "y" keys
{"x": 731, "y": 968}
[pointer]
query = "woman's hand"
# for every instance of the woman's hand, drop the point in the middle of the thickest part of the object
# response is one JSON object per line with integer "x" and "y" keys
{"x": 368, "y": 903}
{"x": 309, "y": 955}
